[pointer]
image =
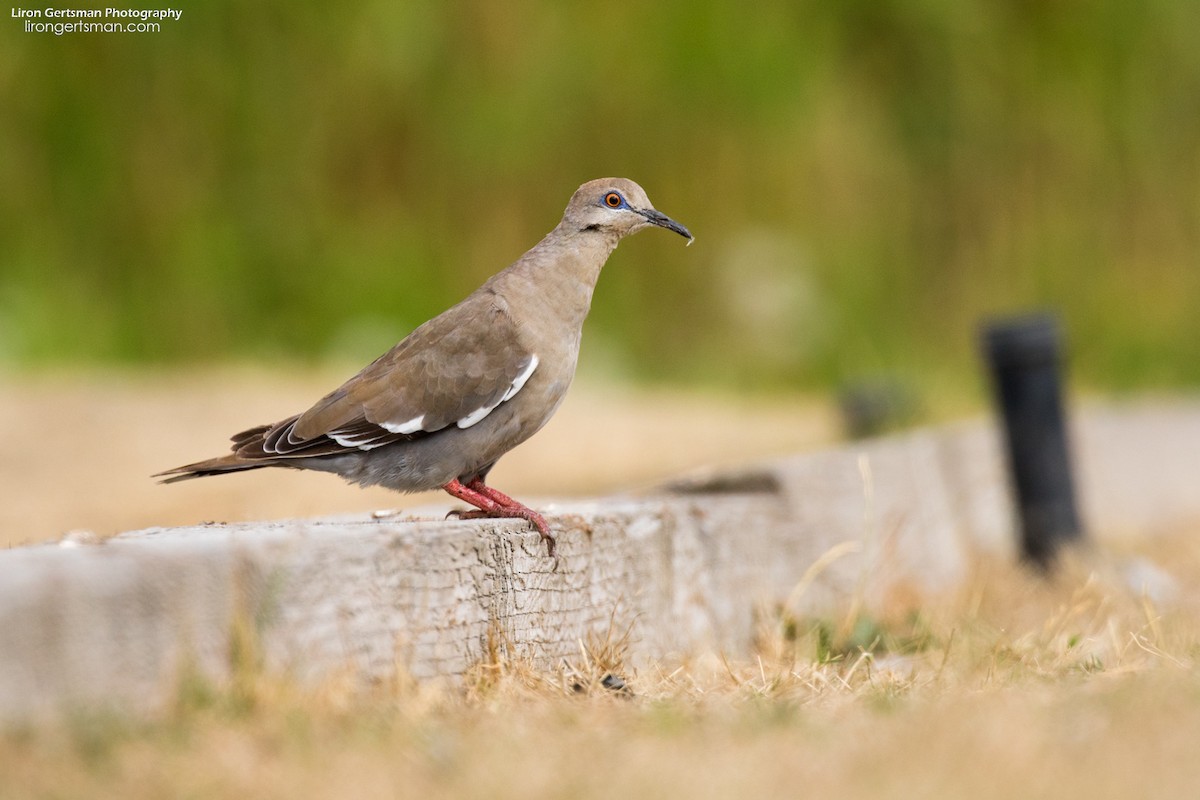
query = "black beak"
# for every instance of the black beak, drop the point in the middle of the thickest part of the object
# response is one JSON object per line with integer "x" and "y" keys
{"x": 663, "y": 221}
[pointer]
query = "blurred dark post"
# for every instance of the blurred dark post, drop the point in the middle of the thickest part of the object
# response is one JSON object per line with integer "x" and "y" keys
{"x": 1025, "y": 358}
{"x": 873, "y": 406}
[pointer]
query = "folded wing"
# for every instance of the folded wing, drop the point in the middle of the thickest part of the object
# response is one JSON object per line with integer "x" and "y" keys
{"x": 453, "y": 370}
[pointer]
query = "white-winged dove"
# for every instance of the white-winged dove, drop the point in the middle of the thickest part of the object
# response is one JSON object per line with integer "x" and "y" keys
{"x": 441, "y": 407}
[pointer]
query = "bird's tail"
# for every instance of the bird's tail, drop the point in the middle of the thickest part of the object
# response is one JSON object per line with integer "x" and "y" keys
{"x": 245, "y": 445}
{"x": 213, "y": 466}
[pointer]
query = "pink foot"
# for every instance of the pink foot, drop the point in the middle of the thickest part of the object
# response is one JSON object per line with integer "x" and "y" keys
{"x": 497, "y": 505}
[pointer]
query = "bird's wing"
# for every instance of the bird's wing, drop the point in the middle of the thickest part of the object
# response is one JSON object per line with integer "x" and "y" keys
{"x": 453, "y": 370}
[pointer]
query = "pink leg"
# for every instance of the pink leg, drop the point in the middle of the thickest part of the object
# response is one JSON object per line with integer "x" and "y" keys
{"x": 494, "y": 503}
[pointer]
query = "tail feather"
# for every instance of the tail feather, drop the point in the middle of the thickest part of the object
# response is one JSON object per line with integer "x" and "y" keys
{"x": 237, "y": 461}
{"x": 213, "y": 466}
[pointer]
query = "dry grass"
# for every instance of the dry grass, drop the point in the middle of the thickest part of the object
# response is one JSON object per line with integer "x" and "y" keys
{"x": 1014, "y": 686}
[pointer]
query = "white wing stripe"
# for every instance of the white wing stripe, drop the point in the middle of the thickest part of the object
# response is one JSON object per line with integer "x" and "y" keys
{"x": 475, "y": 416}
{"x": 517, "y": 384}
{"x": 364, "y": 440}
{"x": 361, "y": 444}
{"x": 412, "y": 426}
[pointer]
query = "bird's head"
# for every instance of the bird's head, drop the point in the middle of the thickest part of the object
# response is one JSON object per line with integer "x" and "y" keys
{"x": 616, "y": 206}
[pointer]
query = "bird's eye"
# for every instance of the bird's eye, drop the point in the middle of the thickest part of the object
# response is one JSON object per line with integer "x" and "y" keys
{"x": 613, "y": 200}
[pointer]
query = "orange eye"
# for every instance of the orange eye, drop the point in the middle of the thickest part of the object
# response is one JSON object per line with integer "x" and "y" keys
{"x": 612, "y": 200}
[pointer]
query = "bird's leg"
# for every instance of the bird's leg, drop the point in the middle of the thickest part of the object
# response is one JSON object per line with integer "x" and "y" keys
{"x": 494, "y": 503}
{"x": 485, "y": 504}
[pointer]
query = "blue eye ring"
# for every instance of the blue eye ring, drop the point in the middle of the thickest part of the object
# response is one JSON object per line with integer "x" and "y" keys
{"x": 614, "y": 200}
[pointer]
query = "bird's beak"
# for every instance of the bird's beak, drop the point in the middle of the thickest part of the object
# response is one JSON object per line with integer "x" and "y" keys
{"x": 663, "y": 221}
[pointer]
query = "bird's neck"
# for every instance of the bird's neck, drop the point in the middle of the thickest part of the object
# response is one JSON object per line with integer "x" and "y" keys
{"x": 560, "y": 273}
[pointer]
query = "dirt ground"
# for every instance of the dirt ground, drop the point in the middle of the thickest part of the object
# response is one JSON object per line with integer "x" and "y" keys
{"x": 80, "y": 448}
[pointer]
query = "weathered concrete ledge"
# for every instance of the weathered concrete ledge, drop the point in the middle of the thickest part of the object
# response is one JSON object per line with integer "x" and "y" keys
{"x": 686, "y": 565}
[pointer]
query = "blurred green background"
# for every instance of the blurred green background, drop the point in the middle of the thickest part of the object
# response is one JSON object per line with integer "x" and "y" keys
{"x": 866, "y": 180}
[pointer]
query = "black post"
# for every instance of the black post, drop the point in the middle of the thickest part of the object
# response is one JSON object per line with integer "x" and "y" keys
{"x": 1025, "y": 357}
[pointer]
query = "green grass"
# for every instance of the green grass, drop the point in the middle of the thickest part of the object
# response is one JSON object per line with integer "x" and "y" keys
{"x": 866, "y": 181}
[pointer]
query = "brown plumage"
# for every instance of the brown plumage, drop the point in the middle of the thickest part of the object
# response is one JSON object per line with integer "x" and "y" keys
{"x": 442, "y": 406}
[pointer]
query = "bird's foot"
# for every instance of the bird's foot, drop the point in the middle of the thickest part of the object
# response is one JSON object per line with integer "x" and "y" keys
{"x": 493, "y": 504}
{"x": 528, "y": 514}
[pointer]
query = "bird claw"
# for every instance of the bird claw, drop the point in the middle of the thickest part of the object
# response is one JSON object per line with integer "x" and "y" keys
{"x": 539, "y": 523}
{"x": 551, "y": 546}
{"x": 472, "y": 513}
{"x": 532, "y": 517}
